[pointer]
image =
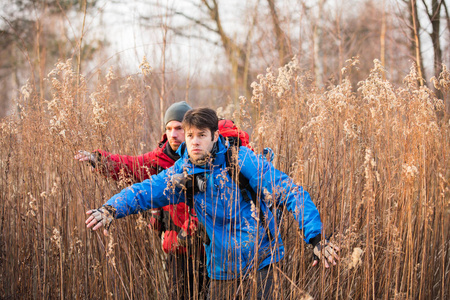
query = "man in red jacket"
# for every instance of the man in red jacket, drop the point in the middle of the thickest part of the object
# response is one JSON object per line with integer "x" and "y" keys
{"x": 141, "y": 167}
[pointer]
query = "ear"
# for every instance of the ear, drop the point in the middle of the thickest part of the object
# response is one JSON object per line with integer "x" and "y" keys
{"x": 216, "y": 136}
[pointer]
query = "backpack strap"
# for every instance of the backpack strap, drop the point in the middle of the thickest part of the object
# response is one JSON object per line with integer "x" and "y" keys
{"x": 244, "y": 185}
{"x": 191, "y": 189}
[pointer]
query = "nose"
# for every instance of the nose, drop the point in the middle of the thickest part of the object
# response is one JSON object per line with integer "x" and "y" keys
{"x": 172, "y": 134}
{"x": 195, "y": 140}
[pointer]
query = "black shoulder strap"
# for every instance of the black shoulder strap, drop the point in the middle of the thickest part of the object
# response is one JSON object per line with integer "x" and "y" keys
{"x": 244, "y": 184}
{"x": 189, "y": 193}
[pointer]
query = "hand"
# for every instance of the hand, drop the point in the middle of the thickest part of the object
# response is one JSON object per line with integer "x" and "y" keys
{"x": 98, "y": 218}
{"x": 182, "y": 238}
{"x": 87, "y": 156}
{"x": 327, "y": 250}
{"x": 180, "y": 180}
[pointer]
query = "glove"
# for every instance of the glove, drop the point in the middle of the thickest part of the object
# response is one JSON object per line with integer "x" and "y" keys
{"x": 92, "y": 158}
{"x": 182, "y": 238}
{"x": 181, "y": 180}
{"x": 102, "y": 216}
{"x": 327, "y": 250}
{"x": 187, "y": 182}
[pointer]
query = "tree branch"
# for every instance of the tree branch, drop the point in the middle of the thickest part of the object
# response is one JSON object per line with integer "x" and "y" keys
{"x": 282, "y": 40}
{"x": 199, "y": 37}
{"x": 426, "y": 9}
{"x": 196, "y": 21}
{"x": 446, "y": 14}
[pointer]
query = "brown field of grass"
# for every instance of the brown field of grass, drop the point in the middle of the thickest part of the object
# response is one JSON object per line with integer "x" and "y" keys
{"x": 374, "y": 157}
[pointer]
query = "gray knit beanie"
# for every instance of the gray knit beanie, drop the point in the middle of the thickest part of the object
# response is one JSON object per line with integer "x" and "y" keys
{"x": 176, "y": 112}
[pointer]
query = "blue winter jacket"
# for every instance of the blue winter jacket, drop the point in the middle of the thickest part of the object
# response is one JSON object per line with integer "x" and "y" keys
{"x": 230, "y": 220}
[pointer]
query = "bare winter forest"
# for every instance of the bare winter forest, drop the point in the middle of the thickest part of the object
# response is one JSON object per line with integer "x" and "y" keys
{"x": 352, "y": 96}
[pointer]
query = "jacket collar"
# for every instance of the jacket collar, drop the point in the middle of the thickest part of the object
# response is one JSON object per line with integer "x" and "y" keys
{"x": 218, "y": 160}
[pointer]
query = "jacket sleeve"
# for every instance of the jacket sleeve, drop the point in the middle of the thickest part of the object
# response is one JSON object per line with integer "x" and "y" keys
{"x": 278, "y": 188}
{"x": 151, "y": 193}
{"x": 137, "y": 168}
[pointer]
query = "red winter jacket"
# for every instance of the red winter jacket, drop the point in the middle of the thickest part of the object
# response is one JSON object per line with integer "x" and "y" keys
{"x": 141, "y": 167}
{"x": 138, "y": 168}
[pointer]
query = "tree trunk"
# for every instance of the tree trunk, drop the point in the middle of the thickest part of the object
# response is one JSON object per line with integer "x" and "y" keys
{"x": 415, "y": 26}
{"x": 236, "y": 54}
{"x": 383, "y": 40}
{"x": 435, "y": 38}
{"x": 317, "y": 40}
{"x": 282, "y": 45}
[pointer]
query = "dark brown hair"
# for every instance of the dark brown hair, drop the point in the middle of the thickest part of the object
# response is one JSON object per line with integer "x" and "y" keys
{"x": 202, "y": 118}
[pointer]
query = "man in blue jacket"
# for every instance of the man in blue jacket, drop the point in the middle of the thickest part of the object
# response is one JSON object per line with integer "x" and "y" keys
{"x": 240, "y": 239}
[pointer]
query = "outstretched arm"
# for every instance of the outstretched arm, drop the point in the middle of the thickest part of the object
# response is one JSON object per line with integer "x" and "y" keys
{"x": 117, "y": 166}
{"x": 138, "y": 168}
{"x": 263, "y": 176}
{"x": 279, "y": 189}
{"x": 151, "y": 193}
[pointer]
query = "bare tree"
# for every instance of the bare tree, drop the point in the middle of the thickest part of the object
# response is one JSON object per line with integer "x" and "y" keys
{"x": 318, "y": 41}
{"x": 282, "y": 40}
{"x": 434, "y": 15}
{"x": 414, "y": 25}
{"x": 383, "y": 39}
{"x": 33, "y": 40}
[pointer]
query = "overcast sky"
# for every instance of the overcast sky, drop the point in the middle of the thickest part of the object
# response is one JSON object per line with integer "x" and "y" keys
{"x": 120, "y": 22}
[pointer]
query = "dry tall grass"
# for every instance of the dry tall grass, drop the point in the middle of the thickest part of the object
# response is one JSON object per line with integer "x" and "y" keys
{"x": 375, "y": 161}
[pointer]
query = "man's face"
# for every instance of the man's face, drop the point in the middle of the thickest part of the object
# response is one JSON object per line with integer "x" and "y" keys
{"x": 175, "y": 134}
{"x": 199, "y": 143}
